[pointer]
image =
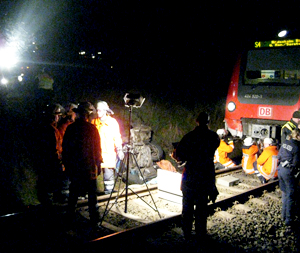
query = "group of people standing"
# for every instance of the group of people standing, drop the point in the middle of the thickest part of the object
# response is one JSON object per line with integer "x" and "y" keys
{"x": 204, "y": 151}
{"x": 77, "y": 145}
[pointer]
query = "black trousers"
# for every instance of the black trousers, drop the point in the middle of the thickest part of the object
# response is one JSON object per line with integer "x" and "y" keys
{"x": 79, "y": 185}
{"x": 191, "y": 198}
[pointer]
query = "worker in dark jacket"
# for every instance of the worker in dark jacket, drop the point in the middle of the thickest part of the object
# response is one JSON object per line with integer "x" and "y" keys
{"x": 82, "y": 160}
{"x": 287, "y": 128}
{"x": 67, "y": 118}
{"x": 197, "y": 148}
{"x": 48, "y": 156}
{"x": 289, "y": 163}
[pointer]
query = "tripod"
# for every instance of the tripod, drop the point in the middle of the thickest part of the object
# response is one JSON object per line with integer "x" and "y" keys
{"x": 124, "y": 169}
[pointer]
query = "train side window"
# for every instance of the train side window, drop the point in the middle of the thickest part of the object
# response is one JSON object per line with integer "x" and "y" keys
{"x": 253, "y": 74}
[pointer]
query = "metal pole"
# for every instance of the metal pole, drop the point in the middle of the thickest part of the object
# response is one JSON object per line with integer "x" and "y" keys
{"x": 127, "y": 165}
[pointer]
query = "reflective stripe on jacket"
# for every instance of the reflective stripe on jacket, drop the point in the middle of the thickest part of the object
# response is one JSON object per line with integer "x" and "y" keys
{"x": 249, "y": 157}
{"x": 221, "y": 153}
{"x": 287, "y": 129}
{"x": 265, "y": 163}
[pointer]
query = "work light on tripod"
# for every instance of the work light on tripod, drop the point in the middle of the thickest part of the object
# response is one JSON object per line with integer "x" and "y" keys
{"x": 133, "y": 100}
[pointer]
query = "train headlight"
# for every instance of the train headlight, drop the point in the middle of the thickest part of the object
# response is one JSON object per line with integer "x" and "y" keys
{"x": 231, "y": 106}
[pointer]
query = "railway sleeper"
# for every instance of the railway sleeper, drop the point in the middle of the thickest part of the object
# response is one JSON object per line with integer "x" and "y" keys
{"x": 243, "y": 208}
{"x": 246, "y": 185}
{"x": 111, "y": 227}
{"x": 225, "y": 215}
{"x": 159, "y": 210}
{"x": 273, "y": 196}
{"x": 258, "y": 201}
{"x": 118, "y": 210}
{"x": 230, "y": 189}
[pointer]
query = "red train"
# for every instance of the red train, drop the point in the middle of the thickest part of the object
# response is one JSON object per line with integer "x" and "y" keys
{"x": 264, "y": 89}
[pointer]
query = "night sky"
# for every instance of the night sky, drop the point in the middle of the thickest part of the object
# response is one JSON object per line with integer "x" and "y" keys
{"x": 153, "y": 45}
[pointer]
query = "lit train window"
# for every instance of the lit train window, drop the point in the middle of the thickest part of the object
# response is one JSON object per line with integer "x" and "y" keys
{"x": 278, "y": 67}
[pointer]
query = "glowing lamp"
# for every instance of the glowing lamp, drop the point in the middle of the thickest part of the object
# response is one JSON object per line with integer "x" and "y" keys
{"x": 282, "y": 33}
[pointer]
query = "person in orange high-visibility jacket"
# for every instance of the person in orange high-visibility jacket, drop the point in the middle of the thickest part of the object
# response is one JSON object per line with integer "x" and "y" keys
{"x": 266, "y": 164}
{"x": 250, "y": 150}
{"x": 223, "y": 149}
{"x": 111, "y": 143}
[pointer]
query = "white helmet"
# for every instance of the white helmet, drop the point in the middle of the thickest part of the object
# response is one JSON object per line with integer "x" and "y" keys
{"x": 268, "y": 141}
{"x": 104, "y": 106}
{"x": 222, "y": 132}
{"x": 248, "y": 141}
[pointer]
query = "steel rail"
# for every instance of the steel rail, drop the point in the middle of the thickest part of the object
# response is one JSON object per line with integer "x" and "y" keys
{"x": 143, "y": 191}
{"x": 134, "y": 235}
{"x": 227, "y": 170}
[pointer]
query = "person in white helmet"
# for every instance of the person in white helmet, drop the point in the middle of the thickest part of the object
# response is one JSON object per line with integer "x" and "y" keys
{"x": 267, "y": 166}
{"x": 249, "y": 159}
{"x": 221, "y": 154}
{"x": 111, "y": 143}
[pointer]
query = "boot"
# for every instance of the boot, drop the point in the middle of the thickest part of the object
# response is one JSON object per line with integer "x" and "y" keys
{"x": 262, "y": 179}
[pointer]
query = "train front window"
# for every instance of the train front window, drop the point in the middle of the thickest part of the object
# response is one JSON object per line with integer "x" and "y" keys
{"x": 276, "y": 66}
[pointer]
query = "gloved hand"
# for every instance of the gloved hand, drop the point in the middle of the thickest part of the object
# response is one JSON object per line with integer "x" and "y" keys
{"x": 229, "y": 139}
{"x": 297, "y": 173}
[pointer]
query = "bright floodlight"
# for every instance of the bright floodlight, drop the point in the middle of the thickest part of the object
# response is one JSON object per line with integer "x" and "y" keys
{"x": 282, "y": 33}
{"x": 8, "y": 57}
{"x": 134, "y": 100}
{"x": 4, "y": 81}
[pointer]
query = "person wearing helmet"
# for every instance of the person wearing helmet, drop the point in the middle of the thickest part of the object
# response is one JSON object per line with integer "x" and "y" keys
{"x": 197, "y": 149}
{"x": 49, "y": 145}
{"x": 221, "y": 154}
{"x": 44, "y": 93}
{"x": 111, "y": 143}
{"x": 82, "y": 159}
{"x": 67, "y": 118}
{"x": 287, "y": 128}
{"x": 250, "y": 151}
{"x": 266, "y": 164}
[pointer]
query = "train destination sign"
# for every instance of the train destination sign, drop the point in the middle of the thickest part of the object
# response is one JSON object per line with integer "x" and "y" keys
{"x": 277, "y": 43}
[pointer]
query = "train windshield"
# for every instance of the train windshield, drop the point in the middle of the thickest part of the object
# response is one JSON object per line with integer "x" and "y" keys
{"x": 273, "y": 67}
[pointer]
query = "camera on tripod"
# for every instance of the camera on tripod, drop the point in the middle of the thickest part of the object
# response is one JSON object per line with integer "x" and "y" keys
{"x": 133, "y": 100}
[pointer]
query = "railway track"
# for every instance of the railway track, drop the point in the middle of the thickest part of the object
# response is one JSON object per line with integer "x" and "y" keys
{"x": 147, "y": 222}
{"x": 247, "y": 189}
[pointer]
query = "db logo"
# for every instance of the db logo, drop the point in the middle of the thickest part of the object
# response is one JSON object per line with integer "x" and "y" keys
{"x": 265, "y": 111}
